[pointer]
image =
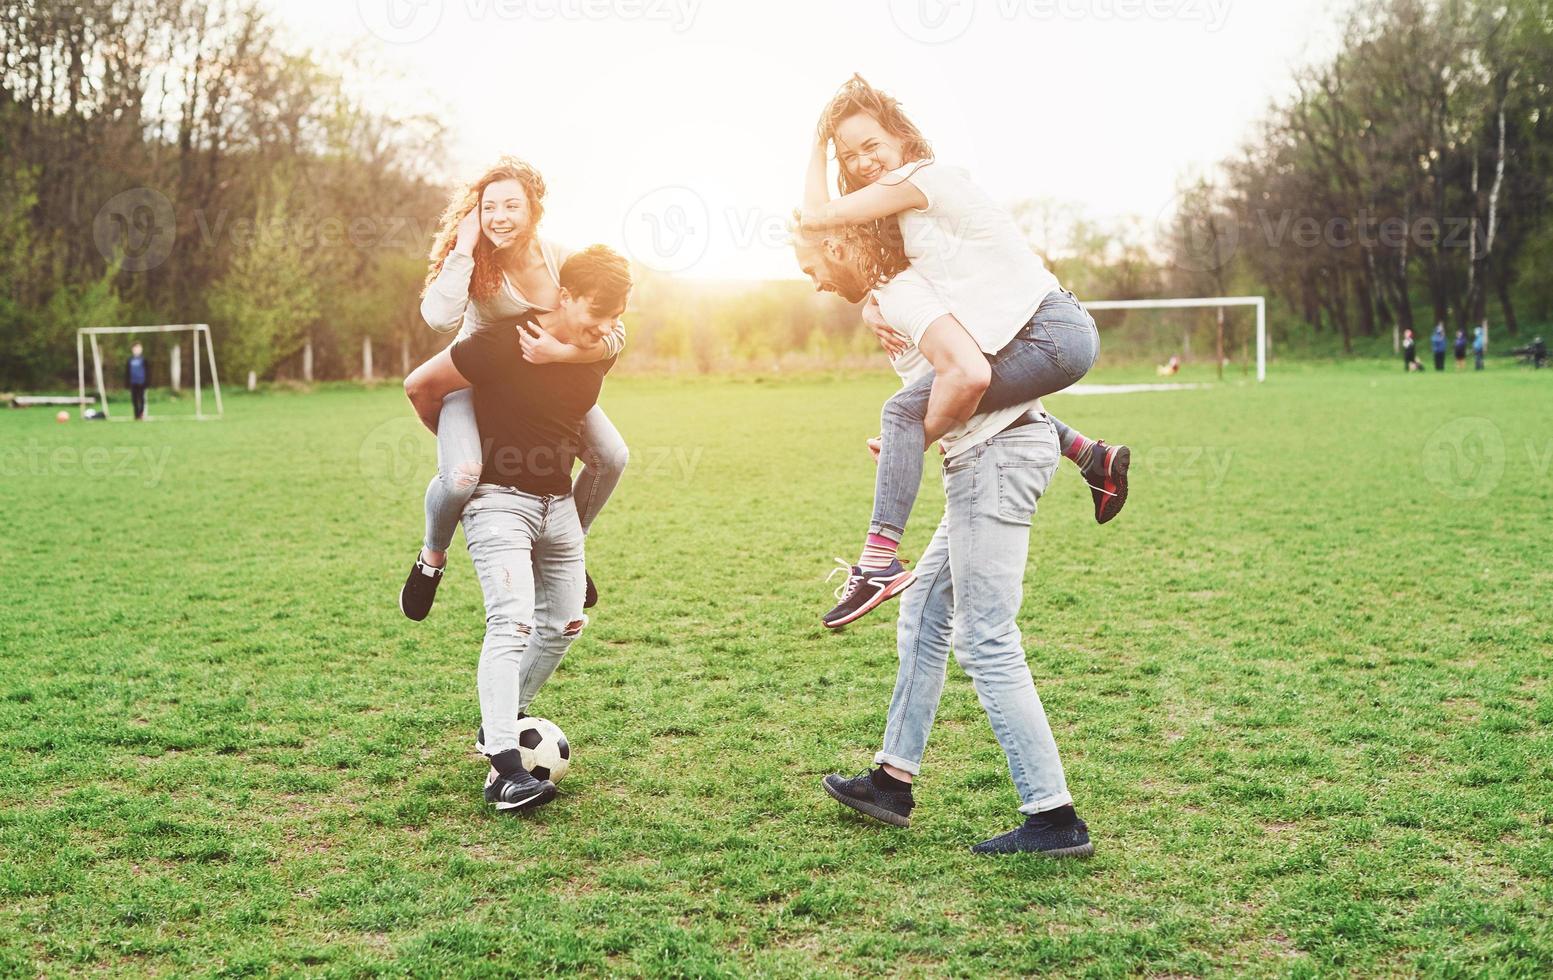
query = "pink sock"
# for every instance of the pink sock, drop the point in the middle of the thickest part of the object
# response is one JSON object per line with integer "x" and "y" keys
{"x": 1078, "y": 450}
{"x": 878, "y": 552}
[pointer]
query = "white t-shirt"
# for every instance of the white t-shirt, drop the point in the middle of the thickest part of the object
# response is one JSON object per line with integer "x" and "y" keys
{"x": 918, "y": 300}
{"x": 970, "y": 251}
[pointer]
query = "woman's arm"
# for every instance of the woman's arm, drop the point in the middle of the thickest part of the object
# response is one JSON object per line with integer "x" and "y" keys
{"x": 540, "y": 347}
{"x": 862, "y": 206}
{"x": 433, "y": 381}
{"x": 815, "y": 192}
{"x": 445, "y": 300}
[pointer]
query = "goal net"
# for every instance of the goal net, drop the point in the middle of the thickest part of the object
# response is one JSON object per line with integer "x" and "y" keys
{"x": 168, "y": 365}
{"x": 1220, "y": 303}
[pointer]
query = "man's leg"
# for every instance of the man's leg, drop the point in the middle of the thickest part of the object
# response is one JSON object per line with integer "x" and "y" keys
{"x": 922, "y": 647}
{"x": 558, "y": 596}
{"x": 500, "y": 528}
{"x": 993, "y": 492}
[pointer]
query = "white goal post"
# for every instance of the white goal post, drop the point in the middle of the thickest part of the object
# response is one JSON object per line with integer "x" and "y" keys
{"x": 1212, "y": 302}
{"x": 87, "y": 336}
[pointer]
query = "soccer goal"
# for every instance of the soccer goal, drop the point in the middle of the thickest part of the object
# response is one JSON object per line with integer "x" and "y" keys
{"x": 86, "y": 337}
{"x": 1211, "y": 302}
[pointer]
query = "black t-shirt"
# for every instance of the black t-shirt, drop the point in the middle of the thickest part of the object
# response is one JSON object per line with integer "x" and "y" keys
{"x": 530, "y": 415}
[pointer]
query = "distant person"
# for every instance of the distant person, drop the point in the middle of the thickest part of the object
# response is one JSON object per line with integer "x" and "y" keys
{"x": 137, "y": 374}
{"x": 1539, "y": 353}
{"x": 1439, "y": 346}
{"x": 1461, "y": 350}
{"x": 1479, "y": 343}
{"x": 1409, "y": 350}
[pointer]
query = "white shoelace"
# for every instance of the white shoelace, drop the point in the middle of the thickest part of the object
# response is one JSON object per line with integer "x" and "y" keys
{"x": 845, "y": 589}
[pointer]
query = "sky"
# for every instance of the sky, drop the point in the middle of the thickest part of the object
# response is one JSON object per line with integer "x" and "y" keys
{"x": 679, "y": 129}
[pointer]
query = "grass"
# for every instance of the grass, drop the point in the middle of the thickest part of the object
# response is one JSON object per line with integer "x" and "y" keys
{"x": 1301, "y": 687}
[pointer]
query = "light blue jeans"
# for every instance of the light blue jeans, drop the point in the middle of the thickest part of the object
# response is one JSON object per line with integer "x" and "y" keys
{"x": 1055, "y": 349}
{"x": 528, "y": 553}
{"x": 970, "y": 583}
{"x": 459, "y": 461}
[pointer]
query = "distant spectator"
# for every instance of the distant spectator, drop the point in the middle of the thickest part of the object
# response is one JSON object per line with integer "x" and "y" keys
{"x": 137, "y": 374}
{"x": 1409, "y": 350}
{"x": 1461, "y": 350}
{"x": 1439, "y": 346}
{"x": 1479, "y": 342}
{"x": 1539, "y": 353}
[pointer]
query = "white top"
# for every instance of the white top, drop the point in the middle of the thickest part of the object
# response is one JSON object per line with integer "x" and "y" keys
{"x": 970, "y": 250}
{"x": 447, "y": 305}
{"x": 920, "y": 301}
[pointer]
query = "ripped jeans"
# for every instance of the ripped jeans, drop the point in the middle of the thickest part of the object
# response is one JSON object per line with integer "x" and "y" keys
{"x": 604, "y": 456}
{"x": 527, "y": 551}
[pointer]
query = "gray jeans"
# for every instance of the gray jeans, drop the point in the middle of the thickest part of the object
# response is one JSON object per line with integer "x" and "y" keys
{"x": 528, "y": 553}
{"x": 970, "y": 583}
{"x": 459, "y": 461}
{"x": 1056, "y": 348}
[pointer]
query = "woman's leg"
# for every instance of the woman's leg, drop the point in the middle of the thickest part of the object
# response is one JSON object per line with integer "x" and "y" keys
{"x": 459, "y": 461}
{"x": 604, "y": 457}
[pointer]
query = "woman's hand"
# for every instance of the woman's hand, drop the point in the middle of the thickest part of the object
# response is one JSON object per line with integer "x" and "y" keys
{"x": 895, "y": 344}
{"x": 873, "y": 448}
{"x": 468, "y": 232}
{"x": 539, "y": 347}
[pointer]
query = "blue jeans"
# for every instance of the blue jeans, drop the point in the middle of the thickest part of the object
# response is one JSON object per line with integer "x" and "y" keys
{"x": 970, "y": 583}
{"x": 1055, "y": 349}
{"x": 528, "y": 553}
{"x": 459, "y": 461}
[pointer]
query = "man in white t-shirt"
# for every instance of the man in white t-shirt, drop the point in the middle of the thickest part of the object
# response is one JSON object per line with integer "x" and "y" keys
{"x": 969, "y": 586}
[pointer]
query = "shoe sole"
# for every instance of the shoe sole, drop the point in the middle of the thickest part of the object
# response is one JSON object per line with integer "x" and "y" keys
{"x": 1081, "y": 851}
{"x": 885, "y": 596}
{"x": 539, "y": 799}
{"x": 1115, "y": 484}
{"x": 867, "y": 809}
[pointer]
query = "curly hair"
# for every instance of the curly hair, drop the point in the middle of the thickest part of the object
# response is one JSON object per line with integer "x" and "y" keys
{"x": 486, "y": 279}
{"x": 883, "y": 250}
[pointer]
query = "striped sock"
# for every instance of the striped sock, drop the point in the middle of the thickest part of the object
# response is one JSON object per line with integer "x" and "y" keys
{"x": 1078, "y": 449}
{"x": 878, "y": 552}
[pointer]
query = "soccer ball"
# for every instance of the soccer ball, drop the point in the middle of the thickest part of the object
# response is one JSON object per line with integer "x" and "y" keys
{"x": 543, "y": 748}
{"x": 63, "y": 416}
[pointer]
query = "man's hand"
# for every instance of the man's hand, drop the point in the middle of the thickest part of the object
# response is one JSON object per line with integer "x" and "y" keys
{"x": 540, "y": 347}
{"x": 894, "y": 343}
{"x": 873, "y": 448}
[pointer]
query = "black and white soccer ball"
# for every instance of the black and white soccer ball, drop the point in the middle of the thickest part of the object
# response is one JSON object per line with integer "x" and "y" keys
{"x": 543, "y": 748}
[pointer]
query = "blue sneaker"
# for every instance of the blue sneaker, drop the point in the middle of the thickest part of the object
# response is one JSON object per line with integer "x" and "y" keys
{"x": 865, "y": 591}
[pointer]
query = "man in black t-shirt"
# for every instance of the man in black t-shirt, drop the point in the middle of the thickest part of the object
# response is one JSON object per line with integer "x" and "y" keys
{"x": 521, "y": 525}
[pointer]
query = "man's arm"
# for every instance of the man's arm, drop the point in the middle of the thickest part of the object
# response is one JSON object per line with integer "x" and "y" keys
{"x": 433, "y": 381}
{"x": 961, "y": 375}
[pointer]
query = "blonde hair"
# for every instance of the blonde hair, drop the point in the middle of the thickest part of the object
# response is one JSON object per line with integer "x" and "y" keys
{"x": 486, "y": 279}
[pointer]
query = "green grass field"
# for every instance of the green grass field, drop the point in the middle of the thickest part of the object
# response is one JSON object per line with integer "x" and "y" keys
{"x": 1302, "y": 687}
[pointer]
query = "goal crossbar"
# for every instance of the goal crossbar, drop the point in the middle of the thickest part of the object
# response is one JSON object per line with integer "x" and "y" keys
{"x": 1259, "y": 302}
{"x": 85, "y": 335}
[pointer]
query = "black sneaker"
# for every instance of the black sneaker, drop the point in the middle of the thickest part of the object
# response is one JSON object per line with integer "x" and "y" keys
{"x": 517, "y": 792}
{"x": 1106, "y": 475}
{"x": 480, "y": 734}
{"x": 591, "y": 596}
{"x": 1057, "y": 833}
{"x": 863, "y": 592}
{"x": 862, "y": 794}
{"x": 420, "y": 590}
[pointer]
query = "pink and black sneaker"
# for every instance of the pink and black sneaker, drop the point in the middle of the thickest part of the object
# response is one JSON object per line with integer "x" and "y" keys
{"x": 1107, "y": 478}
{"x": 865, "y": 590}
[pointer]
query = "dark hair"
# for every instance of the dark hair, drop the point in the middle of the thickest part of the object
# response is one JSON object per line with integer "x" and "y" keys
{"x": 599, "y": 274}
